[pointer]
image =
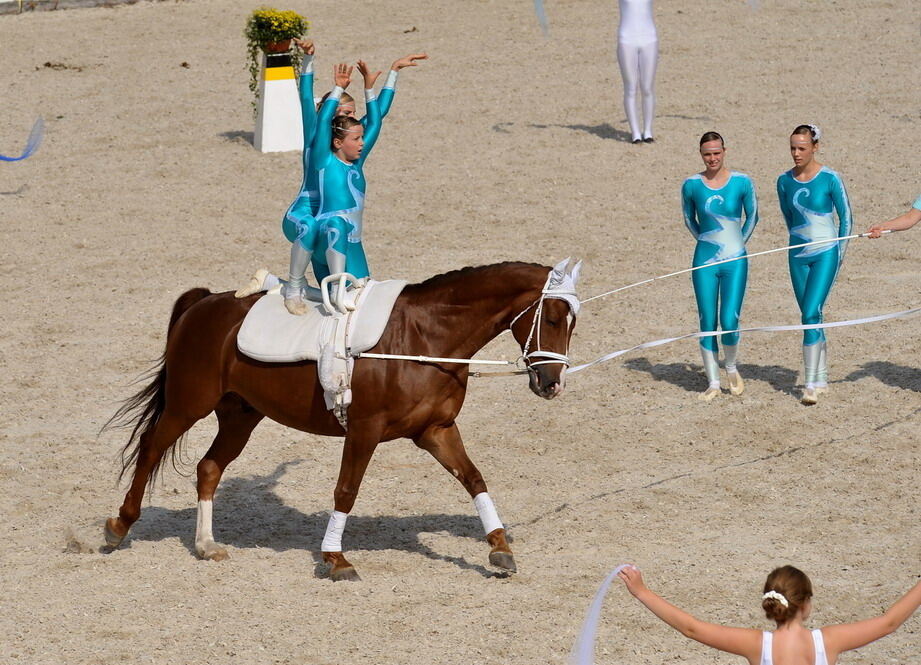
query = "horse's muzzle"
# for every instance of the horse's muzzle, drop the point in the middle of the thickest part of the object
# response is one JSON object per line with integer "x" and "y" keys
{"x": 547, "y": 383}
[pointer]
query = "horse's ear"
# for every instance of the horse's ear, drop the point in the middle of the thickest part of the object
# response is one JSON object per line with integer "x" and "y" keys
{"x": 576, "y": 271}
{"x": 561, "y": 268}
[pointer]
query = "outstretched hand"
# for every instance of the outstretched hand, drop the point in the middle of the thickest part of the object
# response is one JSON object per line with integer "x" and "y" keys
{"x": 342, "y": 75}
{"x": 633, "y": 579}
{"x": 876, "y": 230}
{"x": 306, "y": 45}
{"x": 408, "y": 61}
{"x": 367, "y": 75}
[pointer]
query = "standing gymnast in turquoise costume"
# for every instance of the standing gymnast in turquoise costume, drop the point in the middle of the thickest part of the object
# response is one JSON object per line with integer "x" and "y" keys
{"x": 713, "y": 202}
{"x": 810, "y": 194}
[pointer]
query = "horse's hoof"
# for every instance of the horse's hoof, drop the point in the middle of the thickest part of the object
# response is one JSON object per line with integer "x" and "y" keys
{"x": 213, "y": 554}
{"x": 503, "y": 560}
{"x": 113, "y": 539}
{"x": 347, "y": 574}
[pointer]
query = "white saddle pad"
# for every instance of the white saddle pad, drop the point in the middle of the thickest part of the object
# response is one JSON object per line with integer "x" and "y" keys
{"x": 271, "y": 334}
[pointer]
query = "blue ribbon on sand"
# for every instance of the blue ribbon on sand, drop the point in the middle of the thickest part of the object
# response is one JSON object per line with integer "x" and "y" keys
{"x": 35, "y": 139}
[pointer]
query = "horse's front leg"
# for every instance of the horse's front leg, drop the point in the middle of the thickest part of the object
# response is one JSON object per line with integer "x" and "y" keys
{"x": 445, "y": 445}
{"x": 356, "y": 453}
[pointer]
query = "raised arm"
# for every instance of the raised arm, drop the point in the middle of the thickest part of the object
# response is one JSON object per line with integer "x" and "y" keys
{"x": 305, "y": 88}
{"x": 390, "y": 86}
{"x": 372, "y": 120}
{"x": 744, "y": 642}
{"x": 750, "y": 206}
{"x": 689, "y": 210}
{"x": 843, "y": 208}
{"x": 846, "y": 636}
{"x": 323, "y": 136}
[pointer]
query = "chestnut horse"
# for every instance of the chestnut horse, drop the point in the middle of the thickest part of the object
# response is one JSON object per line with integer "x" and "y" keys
{"x": 448, "y": 316}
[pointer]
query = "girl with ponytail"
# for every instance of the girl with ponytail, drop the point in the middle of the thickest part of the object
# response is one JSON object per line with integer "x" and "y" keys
{"x": 786, "y": 600}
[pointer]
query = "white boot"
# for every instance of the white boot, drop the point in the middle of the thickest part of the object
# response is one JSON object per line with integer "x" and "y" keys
{"x": 293, "y": 290}
{"x": 712, "y": 369}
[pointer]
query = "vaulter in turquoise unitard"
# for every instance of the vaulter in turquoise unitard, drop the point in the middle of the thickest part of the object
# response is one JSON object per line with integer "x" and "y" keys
{"x": 300, "y": 225}
{"x": 810, "y": 194}
{"x": 338, "y": 156}
{"x": 713, "y": 203}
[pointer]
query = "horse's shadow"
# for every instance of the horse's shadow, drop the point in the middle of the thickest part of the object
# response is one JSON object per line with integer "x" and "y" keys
{"x": 249, "y": 514}
{"x": 898, "y": 376}
{"x": 691, "y": 377}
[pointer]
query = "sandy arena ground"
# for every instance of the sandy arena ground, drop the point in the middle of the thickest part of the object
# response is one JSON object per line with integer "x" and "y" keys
{"x": 505, "y": 145}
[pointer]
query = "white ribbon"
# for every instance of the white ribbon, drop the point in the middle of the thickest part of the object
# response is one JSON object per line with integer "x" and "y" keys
{"x": 811, "y": 326}
{"x": 583, "y": 651}
{"x": 737, "y": 258}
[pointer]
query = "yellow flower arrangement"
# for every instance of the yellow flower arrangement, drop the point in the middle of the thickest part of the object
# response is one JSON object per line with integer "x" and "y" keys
{"x": 265, "y": 26}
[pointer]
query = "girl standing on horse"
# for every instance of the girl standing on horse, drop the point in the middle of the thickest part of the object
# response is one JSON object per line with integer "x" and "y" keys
{"x": 787, "y": 600}
{"x": 299, "y": 224}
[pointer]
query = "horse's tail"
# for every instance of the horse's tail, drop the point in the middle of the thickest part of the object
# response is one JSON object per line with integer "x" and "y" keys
{"x": 142, "y": 410}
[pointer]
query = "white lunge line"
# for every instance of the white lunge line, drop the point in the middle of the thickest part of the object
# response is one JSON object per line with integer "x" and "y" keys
{"x": 716, "y": 263}
{"x": 811, "y": 326}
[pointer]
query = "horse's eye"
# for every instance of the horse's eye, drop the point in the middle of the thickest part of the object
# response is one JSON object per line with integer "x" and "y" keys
{"x": 552, "y": 324}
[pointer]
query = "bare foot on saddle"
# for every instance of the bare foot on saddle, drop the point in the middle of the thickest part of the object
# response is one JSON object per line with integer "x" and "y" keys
{"x": 296, "y": 305}
{"x": 254, "y": 285}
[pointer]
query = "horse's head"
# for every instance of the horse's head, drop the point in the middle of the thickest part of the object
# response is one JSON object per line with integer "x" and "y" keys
{"x": 544, "y": 329}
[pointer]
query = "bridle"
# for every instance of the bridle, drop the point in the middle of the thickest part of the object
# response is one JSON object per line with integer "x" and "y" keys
{"x": 550, "y": 289}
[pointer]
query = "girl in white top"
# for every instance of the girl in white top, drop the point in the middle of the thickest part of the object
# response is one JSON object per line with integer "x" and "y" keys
{"x": 638, "y": 54}
{"x": 787, "y": 600}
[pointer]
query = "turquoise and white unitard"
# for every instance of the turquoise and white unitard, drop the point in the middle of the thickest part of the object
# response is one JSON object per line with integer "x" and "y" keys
{"x": 341, "y": 187}
{"x": 714, "y": 218}
{"x": 299, "y": 222}
{"x": 917, "y": 204}
{"x": 809, "y": 209}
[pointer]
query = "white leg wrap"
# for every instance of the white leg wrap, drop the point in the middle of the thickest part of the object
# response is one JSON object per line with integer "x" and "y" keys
{"x": 487, "y": 511}
{"x": 203, "y": 534}
{"x": 332, "y": 541}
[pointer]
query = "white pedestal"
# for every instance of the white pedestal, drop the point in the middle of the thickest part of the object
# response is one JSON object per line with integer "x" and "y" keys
{"x": 278, "y": 118}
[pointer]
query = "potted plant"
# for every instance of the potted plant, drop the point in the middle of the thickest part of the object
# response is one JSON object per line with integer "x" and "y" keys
{"x": 271, "y": 30}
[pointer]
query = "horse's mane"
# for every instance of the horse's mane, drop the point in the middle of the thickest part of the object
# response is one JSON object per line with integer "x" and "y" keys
{"x": 446, "y": 278}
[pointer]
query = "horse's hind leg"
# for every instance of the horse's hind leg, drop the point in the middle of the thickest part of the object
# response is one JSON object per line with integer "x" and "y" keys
{"x": 236, "y": 421}
{"x": 151, "y": 448}
{"x": 445, "y": 445}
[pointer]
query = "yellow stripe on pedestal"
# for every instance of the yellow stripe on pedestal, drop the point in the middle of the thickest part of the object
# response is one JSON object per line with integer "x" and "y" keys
{"x": 279, "y": 73}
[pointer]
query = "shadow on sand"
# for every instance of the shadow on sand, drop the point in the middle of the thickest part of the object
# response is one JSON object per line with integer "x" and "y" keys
{"x": 691, "y": 377}
{"x": 239, "y": 136}
{"x": 898, "y": 376}
{"x": 249, "y": 514}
